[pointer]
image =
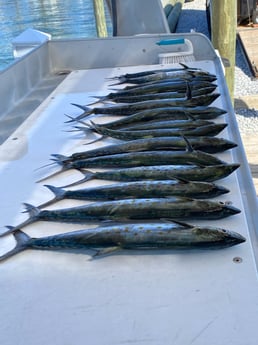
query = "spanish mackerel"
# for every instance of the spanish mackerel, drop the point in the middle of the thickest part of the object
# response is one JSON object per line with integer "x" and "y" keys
{"x": 162, "y": 75}
{"x": 205, "y": 144}
{"x": 118, "y": 98}
{"x": 184, "y": 124}
{"x": 144, "y": 73}
{"x": 134, "y": 159}
{"x": 196, "y": 82}
{"x": 127, "y": 109}
{"x": 208, "y": 130}
{"x": 164, "y": 86}
{"x": 152, "y": 124}
{"x": 139, "y": 189}
{"x": 169, "y": 113}
{"x": 131, "y": 209}
{"x": 143, "y": 236}
{"x": 161, "y": 172}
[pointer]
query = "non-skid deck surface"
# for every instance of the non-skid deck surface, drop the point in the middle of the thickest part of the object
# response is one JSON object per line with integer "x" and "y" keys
{"x": 159, "y": 298}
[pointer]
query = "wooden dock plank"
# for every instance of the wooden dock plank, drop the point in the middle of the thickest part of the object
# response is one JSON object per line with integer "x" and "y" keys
{"x": 250, "y": 140}
{"x": 250, "y": 143}
{"x": 248, "y": 38}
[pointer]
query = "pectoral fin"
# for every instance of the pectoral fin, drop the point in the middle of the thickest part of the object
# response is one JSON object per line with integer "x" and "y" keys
{"x": 105, "y": 251}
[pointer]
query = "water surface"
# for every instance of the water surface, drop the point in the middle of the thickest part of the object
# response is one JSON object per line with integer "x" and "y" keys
{"x": 60, "y": 18}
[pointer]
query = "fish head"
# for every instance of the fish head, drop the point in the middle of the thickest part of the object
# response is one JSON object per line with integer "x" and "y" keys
{"x": 218, "y": 238}
{"x": 206, "y": 159}
{"x": 214, "y": 209}
{"x": 220, "y": 189}
{"x": 213, "y": 188}
{"x": 232, "y": 238}
{"x": 228, "y": 209}
{"x": 227, "y": 144}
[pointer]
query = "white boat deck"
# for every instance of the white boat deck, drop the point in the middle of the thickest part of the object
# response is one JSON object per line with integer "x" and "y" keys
{"x": 154, "y": 297}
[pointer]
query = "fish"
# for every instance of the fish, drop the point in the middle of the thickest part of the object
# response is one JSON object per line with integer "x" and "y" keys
{"x": 178, "y": 87}
{"x": 162, "y": 172}
{"x": 134, "y": 159}
{"x": 139, "y": 189}
{"x": 205, "y": 144}
{"x": 144, "y": 73}
{"x": 206, "y": 130}
{"x": 153, "y": 124}
{"x": 131, "y": 209}
{"x": 162, "y": 75}
{"x": 163, "y": 113}
{"x": 117, "y": 98}
{"x": 179, "y": 124}
{"x": 180, "y": 84}
{"x": 143, "y": 236}
{"x": 128, "y": 109}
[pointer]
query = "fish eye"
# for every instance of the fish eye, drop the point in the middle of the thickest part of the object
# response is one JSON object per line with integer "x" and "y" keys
{"x": 228, "y": 203}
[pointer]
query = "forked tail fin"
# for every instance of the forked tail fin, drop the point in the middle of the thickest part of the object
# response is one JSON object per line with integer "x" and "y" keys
{"x": 63, "y": 161}
{"x": 59, "y": 195}
{"x": 88, "y": 175}
{"x": 87, "y": 111}
{"x": 34, "y": 213}
{"x": 22, "y": 241}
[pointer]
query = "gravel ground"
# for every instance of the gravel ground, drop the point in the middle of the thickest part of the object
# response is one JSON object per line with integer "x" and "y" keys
{"x": 193, "y": 17}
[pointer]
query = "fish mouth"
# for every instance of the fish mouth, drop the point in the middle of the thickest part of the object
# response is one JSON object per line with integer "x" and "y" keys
{"x": 222, "y": 190}
{"x": 236, "y": 238}
{"x": 231, "y": 210}
{"x": 240, "y": 239}
{"x": 233, "y": 166}
{"x": 230, "y": 144}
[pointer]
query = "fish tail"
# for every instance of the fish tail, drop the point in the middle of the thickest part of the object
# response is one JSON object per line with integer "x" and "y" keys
{"x": 75, "y": 129}
{"x": 33, "y": 216}
{"x": 88, "y": 175}
{"x": 92, "y": 126}
{"x": 78, "y": 118}
{"x": 64, "y": 161}
{"x": 46, "y": 165}
{"x": 94, "y": 141}
{"x": 121, "y": 81}
{"x": 87, "y": 111}
{"x": 71, "y": 119}
{"x": 57, "y": 191}
{"x": 83, "y": 107}
{"x": 22, "y": 241}
{"x": 99, "y": 99}
{"x": 32, "y": 210}
{"x": 112, "y": 78}
{"x": 114, "y": 89}
{"x": 96, "y": 128}
{"x": 52, "y": 175}
{"x": 60, "y": 159}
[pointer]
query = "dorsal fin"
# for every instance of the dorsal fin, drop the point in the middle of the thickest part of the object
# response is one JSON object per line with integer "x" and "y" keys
{"x": 188, "y": 91}
{"x": 180, "y": 179}
{"x": 189, "y": 147}
{"x": 171, "y": 220}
